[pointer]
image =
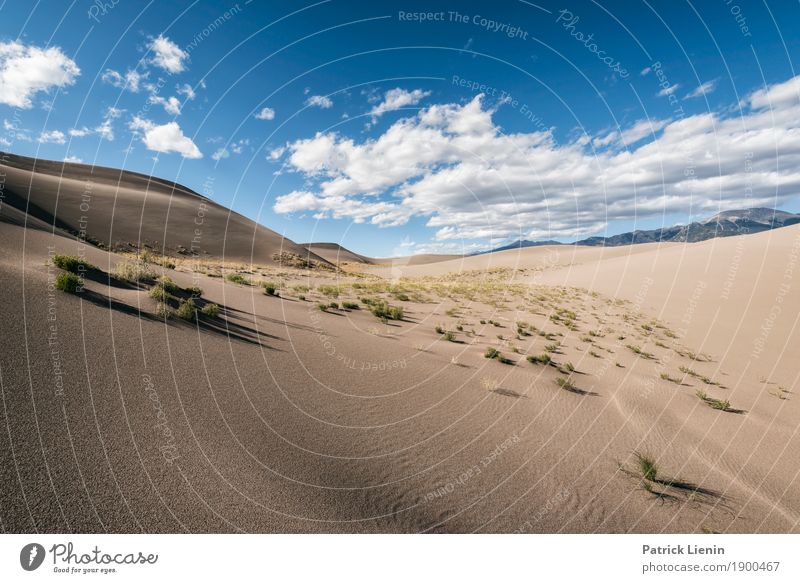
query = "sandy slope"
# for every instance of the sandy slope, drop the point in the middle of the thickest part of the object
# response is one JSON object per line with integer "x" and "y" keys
{"x": 126, "y": 210}
{"x": 336, "y": 254}
{"x": 279, "y": 417}
{"x": 282, "y": 418}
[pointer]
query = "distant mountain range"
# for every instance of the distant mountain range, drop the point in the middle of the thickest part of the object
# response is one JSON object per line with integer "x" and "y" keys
{"x": 724, "y": 224}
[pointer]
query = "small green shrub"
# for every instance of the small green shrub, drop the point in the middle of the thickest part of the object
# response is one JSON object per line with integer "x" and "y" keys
{"x": 159, "y": 293}
{"x": 169, "y": 285}
{"x": 238, "y": 278}
{"x": 301, "y": 297}
{"x": 270, "y": 289}
{"x": 322, "y": 307}
{"x": 210, "y": 310}
{"x": 195, "y": 290}
{"x": 566, "y": 384}
{"x": 67, "y": 281}
{"x": 449, "y": 336}
{"x": 491, "y": 353}
{"x": 540, "y": 359}
{"x": 186, "y": 310}
{"x": 72, "y": 263}
{"x": 350, "y": 306}
{"x": 334, "y": 305}
{"x": 646, "y": 465}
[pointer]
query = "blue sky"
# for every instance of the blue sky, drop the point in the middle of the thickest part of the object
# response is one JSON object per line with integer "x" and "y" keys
{"x": 402, "y": 127}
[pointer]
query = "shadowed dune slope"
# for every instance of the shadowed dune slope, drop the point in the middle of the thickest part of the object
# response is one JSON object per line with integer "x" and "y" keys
{"x": 335, "y": 253}
{"x": 127, "y": 210}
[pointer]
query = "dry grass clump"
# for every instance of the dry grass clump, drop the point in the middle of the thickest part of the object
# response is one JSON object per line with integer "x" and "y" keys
{"x": 639, "y": 352}
{"x": 665, "y": 376}
{"x": 238, "y": 278}
{"x": 540, "y": 359}
{"x": 718, "y": 404}
{"x": 134, "y": 272}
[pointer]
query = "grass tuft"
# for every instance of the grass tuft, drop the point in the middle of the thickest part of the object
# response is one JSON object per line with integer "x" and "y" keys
{"x": 67, "y": 281}
{"x": 186, "y": 310}
{"x": 210, "y": 310}
{"x": 540, "y": 359}
{"x": 72, "y": 263}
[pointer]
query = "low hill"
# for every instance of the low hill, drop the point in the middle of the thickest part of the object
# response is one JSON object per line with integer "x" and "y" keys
{"x": 124, "y": 210}
{"x": 335, "y": 253}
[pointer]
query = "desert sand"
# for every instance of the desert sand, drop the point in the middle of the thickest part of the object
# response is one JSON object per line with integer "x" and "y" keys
{"x": 283, "y": 413}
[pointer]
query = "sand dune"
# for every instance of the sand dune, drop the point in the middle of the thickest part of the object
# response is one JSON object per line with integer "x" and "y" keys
{"x": 127, "y": 210}
{"x": 278, "y": 415}
{"x": 336, "y": 254}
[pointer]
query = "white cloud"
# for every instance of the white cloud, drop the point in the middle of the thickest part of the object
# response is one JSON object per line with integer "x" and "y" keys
{"x": 319, "y": 101}
{"x": 52, "y": 137}
{"x": 645, "y": 71}
{"x": 276, "y": 153}
{"x": 171, "y": 105}
{"x": 168, "y": 55}
{"x": 777, "y": 96}
{"x": 668, "y": 90}
{"x": 395, "y": 99}
{"x": 703, "y": 89}
{"x": 80, "y": 132}
{"x": 27, "y": 70}
{"x": 187, "y": 91}
{"x": 130, "y": 81}
{"x": 73, "y": 160}
{"x": 267, "y": 114}
{"x": 165, "y": 138}
{"x": 106, "y": 130}
{"x": 233, "y": 148}
{"x": 451, "y": 164}
{"x": 638, "y": 131}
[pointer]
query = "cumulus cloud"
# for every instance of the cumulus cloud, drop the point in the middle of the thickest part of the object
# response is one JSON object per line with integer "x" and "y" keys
{"x": 80, "y": 132}
{"x": 171, "y": 105}
{"x": 167, "y": 55}
{"x": 451, "y": 164}
{"x": 52, "y": 137}
{"x": 73, "y": 160}
{"x": 266, "y": 114}
{"x": 130, "y": 81}
{"x": 703, "y": 89}
{"x": 26, "y": 70}
{"x": 395, "y": 99}
{"x": 187, "y": 91}
{"x": 319, "y": 101}
{"x": 165, "y": 138}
